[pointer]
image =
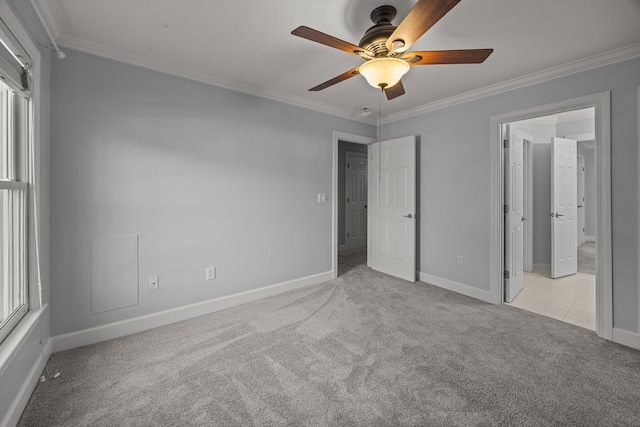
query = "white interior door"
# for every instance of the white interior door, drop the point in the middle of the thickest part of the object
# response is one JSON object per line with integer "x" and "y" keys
{"x": 581, "y": 209}
{"x": 564, "y": 195}
{"x": 356, "y": 203}
{"x": 513, "y": 213}
{"x": 392, "y": 207}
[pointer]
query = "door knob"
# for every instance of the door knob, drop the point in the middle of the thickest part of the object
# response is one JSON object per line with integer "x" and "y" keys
{"x": 523, "y": 219}
{"x": 557, "y": 215}
{"x": 408, "y": 216}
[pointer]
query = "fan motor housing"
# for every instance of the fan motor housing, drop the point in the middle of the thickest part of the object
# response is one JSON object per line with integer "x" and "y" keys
{"x": 374, "y": 38}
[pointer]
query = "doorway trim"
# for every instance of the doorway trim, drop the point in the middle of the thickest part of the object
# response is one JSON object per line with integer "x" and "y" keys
{"x": 528, "y": 204}
{"x": 581, "y": 215}
{"x": 337, "y": 137}
{"x": 604, "y": 285}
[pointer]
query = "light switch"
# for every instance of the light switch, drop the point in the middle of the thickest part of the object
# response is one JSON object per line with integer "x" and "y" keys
{"x": 322, "y": 197}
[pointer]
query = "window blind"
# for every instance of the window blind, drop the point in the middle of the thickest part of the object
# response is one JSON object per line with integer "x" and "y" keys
{"x": 15, "y": 63}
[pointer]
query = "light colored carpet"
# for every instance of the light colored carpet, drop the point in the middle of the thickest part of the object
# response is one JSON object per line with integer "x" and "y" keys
{"x": 587, "y": 258}
{"x": 348, "y": 260}
{"x": 365, "y": 349}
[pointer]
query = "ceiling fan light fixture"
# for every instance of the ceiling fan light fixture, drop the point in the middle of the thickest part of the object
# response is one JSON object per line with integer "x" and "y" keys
{"x": 384, "y": 72}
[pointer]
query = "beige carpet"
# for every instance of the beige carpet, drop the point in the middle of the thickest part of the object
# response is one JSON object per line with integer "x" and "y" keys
{"x": 362, "y": 350}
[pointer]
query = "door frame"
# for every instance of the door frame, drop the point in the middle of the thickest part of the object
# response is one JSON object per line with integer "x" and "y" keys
{"x": 527, "y": 151}
{"x": 337, "y": 137}
{"x": 604, "y": 284}
{"x": 582, "y": 215}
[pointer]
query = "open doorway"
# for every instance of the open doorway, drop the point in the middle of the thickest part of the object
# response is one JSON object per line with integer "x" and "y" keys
{"x": 559, "y": 257}
{"x": 342, "y": 259}
{"x": 352, "y": 205}
{"x": 390, "y": 205}
{"x": 601, "y": 102}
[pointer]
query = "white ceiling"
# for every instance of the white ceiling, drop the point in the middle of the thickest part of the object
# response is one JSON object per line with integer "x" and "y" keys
{"x": 246, "y": 45}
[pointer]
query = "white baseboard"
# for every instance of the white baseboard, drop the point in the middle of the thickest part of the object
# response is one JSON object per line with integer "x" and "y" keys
{"x": 460, "y": 288}
{"x": 20, "y": 402}
{"x": 590, "y": 238}
{"x": 541, "y": 267}
{"x": 630, "y": 339}
{"x": 154, "y": 320}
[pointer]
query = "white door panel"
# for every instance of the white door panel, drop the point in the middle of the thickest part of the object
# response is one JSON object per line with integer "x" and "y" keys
{"x": 392, "y": 207}
{"x": 514, "y": 213}
{"x": 564, "y": 189}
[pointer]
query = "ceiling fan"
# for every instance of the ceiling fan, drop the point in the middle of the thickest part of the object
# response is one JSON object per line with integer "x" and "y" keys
{"x": 384, "y": 46}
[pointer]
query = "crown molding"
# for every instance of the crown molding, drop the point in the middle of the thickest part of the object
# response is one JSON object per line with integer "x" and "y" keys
{"x": 582, "y": 137}
{"x": 146, "y": 61}
{"x": 70, "y": 41}
{"x": 572, "y": 116}
{"x": 567, "y": 116}
{"x": 606, "y": 58}
{"x": 546, "y": 120}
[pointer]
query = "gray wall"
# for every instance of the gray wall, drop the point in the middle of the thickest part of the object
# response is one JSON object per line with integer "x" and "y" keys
{"x": 541, "y": 204}
{"x": 455, "y": 178}
{"x": 542, "y": 193}
{"x": 204, "y": 175}
{"x": 343, "y": 147}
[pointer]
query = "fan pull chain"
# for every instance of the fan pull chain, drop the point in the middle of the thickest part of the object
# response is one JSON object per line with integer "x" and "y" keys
{"x": 380, "y": 136}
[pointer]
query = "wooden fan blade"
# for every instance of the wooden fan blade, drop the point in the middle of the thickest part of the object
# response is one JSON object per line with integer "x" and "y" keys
{"x": 337, "y": 79}
{"x": 327, "y": 40}
{"x": 422, "y": 17}
{"x": 394, "y": 91}
{"x": 465, "y": 56}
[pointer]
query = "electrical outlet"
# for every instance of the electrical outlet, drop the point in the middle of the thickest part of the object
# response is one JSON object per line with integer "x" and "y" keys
{"x": 460, "y": 260}
{"x": 154, "y": 283}
{"x": 210, "y": 273}
{"x": 322, "y": 197}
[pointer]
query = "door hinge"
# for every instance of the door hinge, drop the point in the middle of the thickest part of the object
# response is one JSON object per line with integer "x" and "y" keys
{"x": 506, "y": 209}
{"x": 506, "y": 143}
{"x": 348, "y": 165}
{"x": 348, "y": 235}
{"x": 348, "y": 200}
{"x": 506, "y": 274}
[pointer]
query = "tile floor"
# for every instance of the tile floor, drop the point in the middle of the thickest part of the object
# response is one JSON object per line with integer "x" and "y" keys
{"x": 570, "y": 299}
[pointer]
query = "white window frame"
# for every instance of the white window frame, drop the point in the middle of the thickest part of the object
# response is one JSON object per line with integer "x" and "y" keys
{"x": 37, "y": 307}
{"x": 14, "y": 213}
